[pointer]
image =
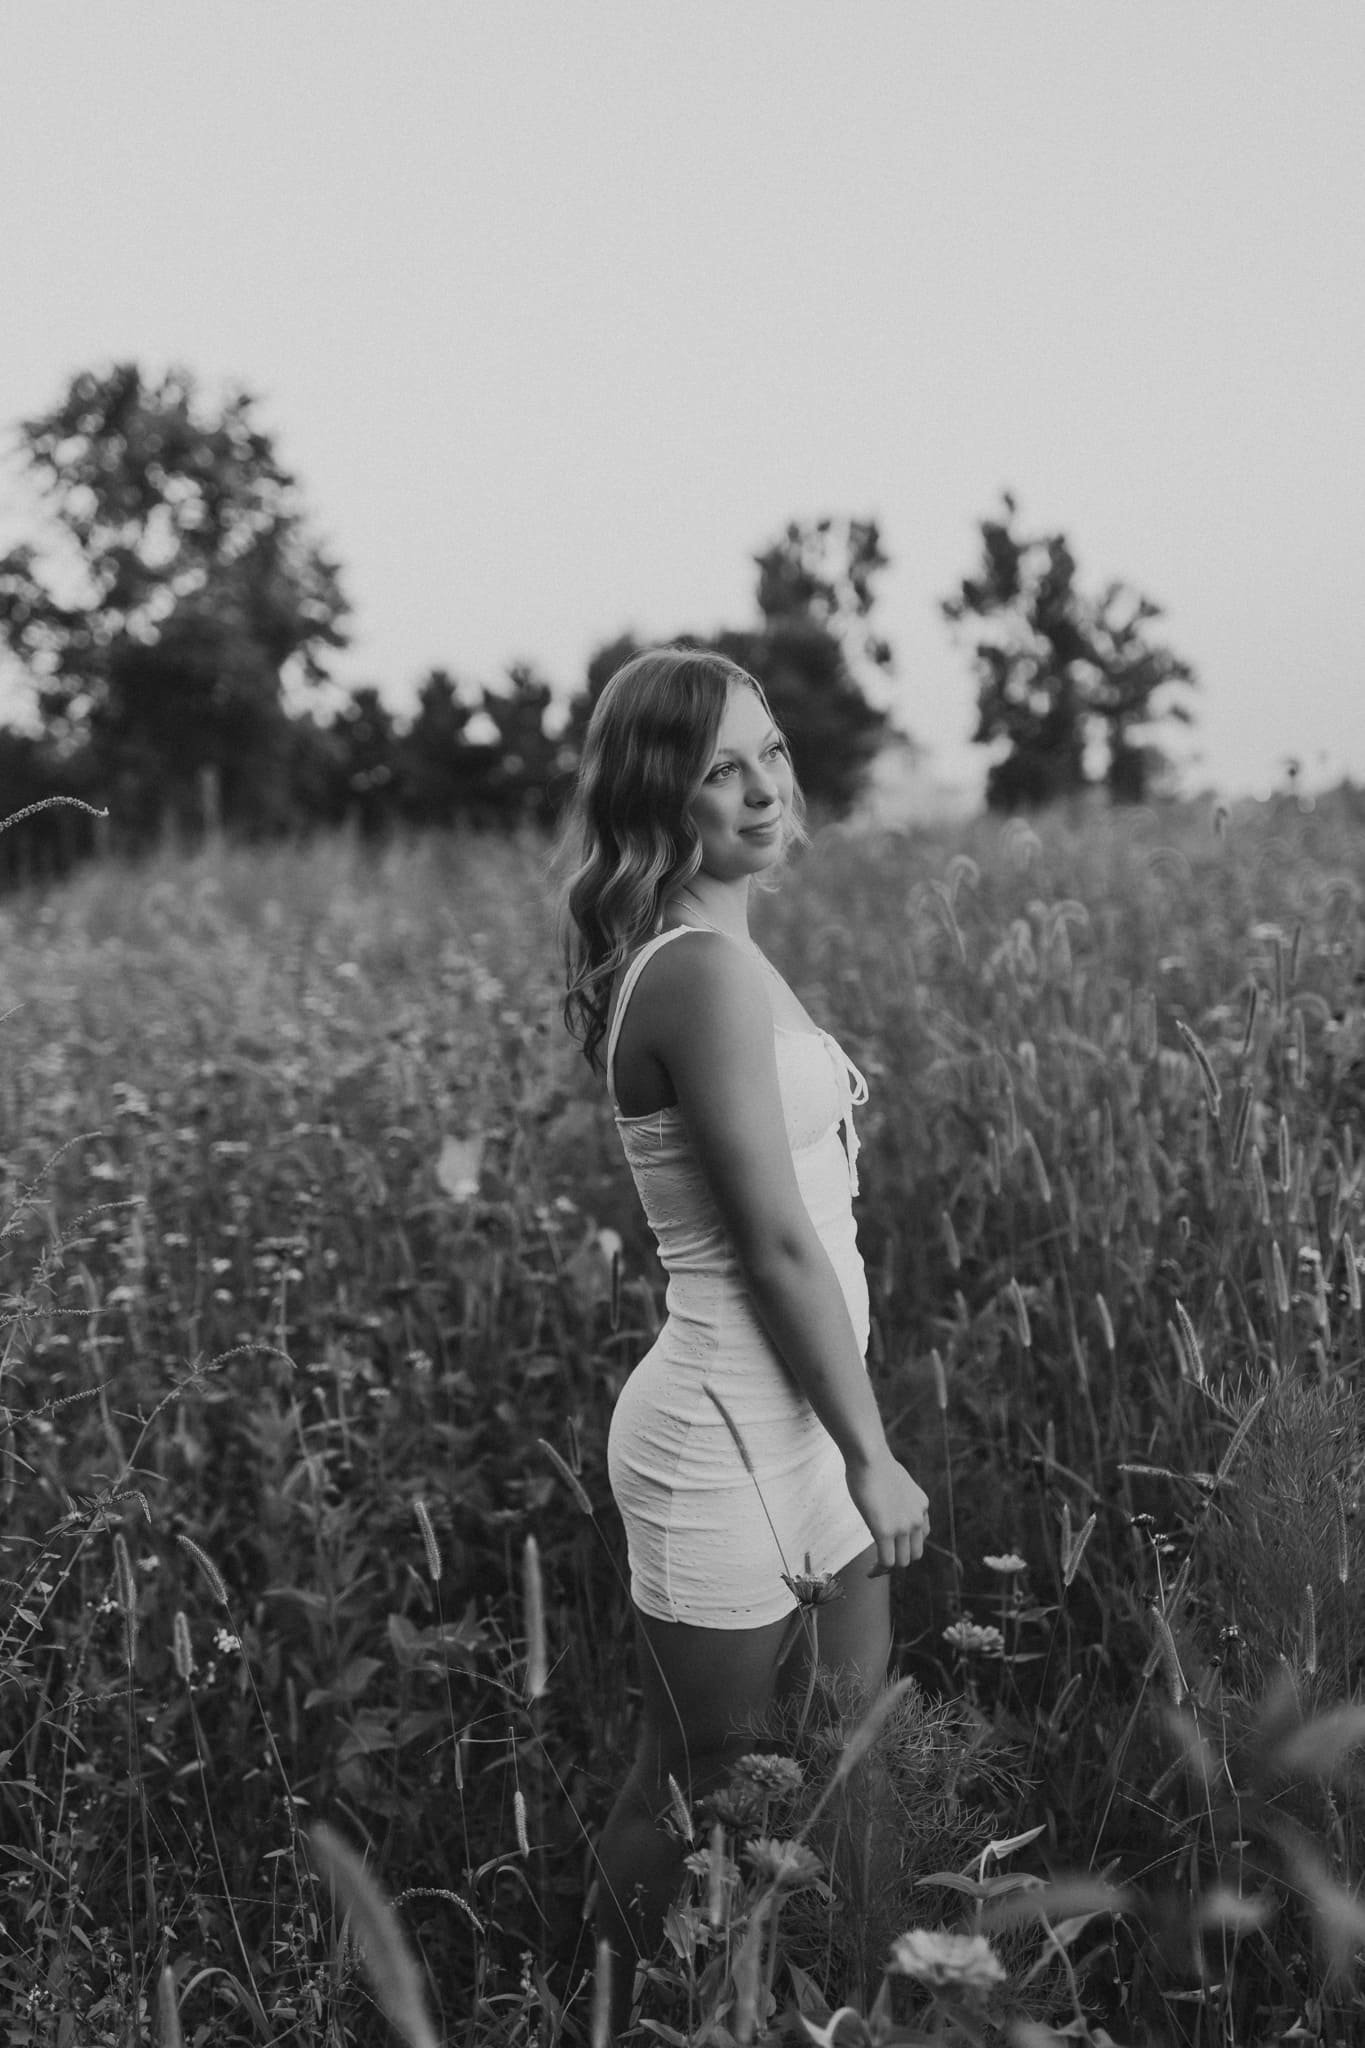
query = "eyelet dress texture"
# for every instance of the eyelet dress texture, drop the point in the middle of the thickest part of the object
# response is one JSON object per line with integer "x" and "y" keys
{"x": 709, "y": 1541}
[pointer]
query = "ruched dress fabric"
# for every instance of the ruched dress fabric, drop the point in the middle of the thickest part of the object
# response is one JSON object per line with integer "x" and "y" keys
{"x": 708, "y": 1540}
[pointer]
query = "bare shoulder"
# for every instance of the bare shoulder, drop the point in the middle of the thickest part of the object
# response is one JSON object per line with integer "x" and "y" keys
{"x": 710, "y": 1025}
{"x": 703, "y": 992}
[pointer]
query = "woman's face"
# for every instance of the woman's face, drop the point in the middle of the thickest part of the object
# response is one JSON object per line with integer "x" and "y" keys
{"x": 742, "y": 807}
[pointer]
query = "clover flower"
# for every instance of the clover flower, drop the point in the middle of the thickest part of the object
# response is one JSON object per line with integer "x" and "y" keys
{"x": 783, "y": 1863}
{"x": 973, "y": 1640}
{"x": 1007, "y": 1565}
{"x": 777, "y": 1777}
{"x": 959, "y": 1962}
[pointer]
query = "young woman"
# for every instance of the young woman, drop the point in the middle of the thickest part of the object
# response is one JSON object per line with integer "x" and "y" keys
{"x": 730, "y": 1103}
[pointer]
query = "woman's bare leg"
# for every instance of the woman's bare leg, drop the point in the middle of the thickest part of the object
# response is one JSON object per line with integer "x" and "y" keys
{"x": 702, "y": 1688}
{"x": 853, "y": 1637}
{"x": 853, "y": 1633}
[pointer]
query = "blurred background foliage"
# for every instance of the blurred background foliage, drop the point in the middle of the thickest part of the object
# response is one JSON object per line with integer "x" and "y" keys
{"x": 172, "y": 619}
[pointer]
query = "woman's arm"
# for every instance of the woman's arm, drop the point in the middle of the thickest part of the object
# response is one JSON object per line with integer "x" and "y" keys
{"x": 708, "y": 1019}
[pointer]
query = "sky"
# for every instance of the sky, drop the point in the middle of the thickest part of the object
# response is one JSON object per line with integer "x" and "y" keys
{"x": 560, "y": 312}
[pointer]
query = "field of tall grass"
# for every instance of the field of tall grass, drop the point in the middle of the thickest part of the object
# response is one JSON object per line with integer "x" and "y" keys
{"x": 321, "y": 1273}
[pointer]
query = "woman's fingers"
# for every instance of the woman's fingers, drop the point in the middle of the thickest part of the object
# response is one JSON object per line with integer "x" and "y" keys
{"x": 897, "y": 1515}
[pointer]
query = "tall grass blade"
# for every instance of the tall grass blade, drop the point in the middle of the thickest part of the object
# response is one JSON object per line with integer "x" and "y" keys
{"x": 533, "y": 1608}
{"x": 388, "y": 1961}
{"x": 168, "y": 2009}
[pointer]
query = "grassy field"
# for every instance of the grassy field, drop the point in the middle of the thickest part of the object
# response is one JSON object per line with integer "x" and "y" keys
{"x": 322, "y": 1270}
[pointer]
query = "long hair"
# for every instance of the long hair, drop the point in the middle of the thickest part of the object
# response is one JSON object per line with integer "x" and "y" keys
{"x": 628, "y": 841}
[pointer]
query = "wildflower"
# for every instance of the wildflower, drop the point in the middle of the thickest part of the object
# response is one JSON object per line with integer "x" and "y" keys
{"x": 226, "y": 1640}
{"x": 734, "y": 1806}
{"x": 962, "y": 1962}
{"x": 705, "y": 1863}
{"x": 1007, "y": 1565}
{"x": 779, "y": 1777}
{"x": 812, "y": 1589}
{"x": 783, "y": 1863}
{"x": 973, "y": 1640}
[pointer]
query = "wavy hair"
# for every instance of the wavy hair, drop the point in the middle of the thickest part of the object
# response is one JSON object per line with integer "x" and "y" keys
{"x": 628, "y": 841}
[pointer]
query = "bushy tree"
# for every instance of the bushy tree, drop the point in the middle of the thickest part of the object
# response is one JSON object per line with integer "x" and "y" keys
{"x": 820, "y": 573}
{"x": 814, "y": 634}
{"x": 1057, "y": 669}
{"x": 525, "y": 772}
{"x": 440, "y": 768}
{"x": 175, "y": 587}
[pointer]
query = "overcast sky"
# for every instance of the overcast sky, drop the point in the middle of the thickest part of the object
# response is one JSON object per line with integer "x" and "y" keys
{"x": 559, "y": 312}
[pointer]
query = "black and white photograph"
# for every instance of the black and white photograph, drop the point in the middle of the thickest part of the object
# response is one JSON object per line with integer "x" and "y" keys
{"x": 682, "y": 1024}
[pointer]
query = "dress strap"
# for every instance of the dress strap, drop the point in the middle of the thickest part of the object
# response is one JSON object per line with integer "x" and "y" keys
{"x": 852, "y": 1090}
{"x": 627, "y": 989}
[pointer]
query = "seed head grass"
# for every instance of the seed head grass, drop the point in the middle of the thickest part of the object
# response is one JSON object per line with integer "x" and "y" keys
{"x": 1117, "y": 1085}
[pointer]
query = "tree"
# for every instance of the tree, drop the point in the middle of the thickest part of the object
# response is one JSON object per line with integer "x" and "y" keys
{"x": 815, "y": 633}
{"x": 820, "y": 573}
{"x": 521, "y": 785}
{"x": 175, "y": 588}
{"x": 365, "y": 740}
{"x": 1059, "y": 670}
{"x": 439, "y": 768}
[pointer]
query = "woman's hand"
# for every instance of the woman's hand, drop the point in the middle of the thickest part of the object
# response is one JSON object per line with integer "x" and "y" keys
{"x": 894, "y": 1507}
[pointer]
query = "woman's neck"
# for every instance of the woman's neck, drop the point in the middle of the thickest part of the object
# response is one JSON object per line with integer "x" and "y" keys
{"x": 720, "y": 908}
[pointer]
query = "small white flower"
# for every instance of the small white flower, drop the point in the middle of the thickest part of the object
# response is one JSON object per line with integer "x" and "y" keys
{"x": 1010, "y": 1563}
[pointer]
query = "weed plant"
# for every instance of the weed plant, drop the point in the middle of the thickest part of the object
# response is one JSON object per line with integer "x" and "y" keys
{"x": 322, "y": 1272}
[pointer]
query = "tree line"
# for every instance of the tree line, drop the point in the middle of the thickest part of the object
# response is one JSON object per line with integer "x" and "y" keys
{"x": 174, "y": 619}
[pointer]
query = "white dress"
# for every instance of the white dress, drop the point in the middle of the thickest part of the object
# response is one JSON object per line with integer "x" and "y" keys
{"x": 708, "y": 1540}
